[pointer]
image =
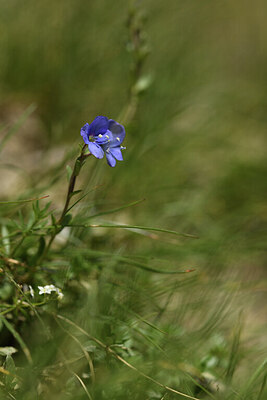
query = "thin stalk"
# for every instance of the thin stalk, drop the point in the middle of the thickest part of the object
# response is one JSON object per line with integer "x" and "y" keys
{"x": 75, "y": 173}
{"x": 58, "y": 227}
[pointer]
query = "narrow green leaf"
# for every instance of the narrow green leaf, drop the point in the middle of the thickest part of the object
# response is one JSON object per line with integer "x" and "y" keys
{"x": 41, "y": 248}
{"x": 234, "y": 356}
{"x": 114, "y": 210}
{"x": 69, "y": 172}
{"x": 53, "y": 218}
{"x": 129, "y": 261}
{"x": 131, "y": 227}
{"x": 142, "y": 84}
{"x": 82, "y": 197}
{"x": 67, "y": 218}
{"x": 75, "y": 192}
{"x": 11, "y": 368}
{"x": 261, "y": 392}
{"x": 251, "y": 382}
{"x": 23, "y": 201}
{"x": 77, "y": 167}
{"x": 17, "y": 125}
{"x": 17, "y": 337}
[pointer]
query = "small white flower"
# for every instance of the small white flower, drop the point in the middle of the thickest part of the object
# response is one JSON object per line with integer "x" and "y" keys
{"x": 31, "y": 291}
{"x": 60, "y": 295}
{"x": 48, "y": 289}
{"x": 44, "y": 289}
{"x": 52, "y": 288}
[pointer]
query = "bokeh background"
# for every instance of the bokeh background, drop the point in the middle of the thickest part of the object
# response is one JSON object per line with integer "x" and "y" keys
{"x": 196, "y": 149}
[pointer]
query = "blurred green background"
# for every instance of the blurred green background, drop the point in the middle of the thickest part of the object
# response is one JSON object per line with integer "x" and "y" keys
{"x": 196, "y": 146}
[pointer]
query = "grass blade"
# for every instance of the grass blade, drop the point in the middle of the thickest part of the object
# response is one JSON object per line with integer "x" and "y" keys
{"x": 17, "y": 337}
{"x": 129, "y": 227}
{"x": 17, "y": 125}
{"x": 123, "y": 361}
{"x": 253, "y": 379}
{"x": 114, "y": 210}
{"x": 82, "y": 197}
{"x": 126, "y": 260}
{"x": 83, "y": 386}
{"x": 23, "y": 201}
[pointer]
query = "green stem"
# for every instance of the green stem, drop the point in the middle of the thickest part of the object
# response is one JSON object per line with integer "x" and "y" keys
{"x": 76, "y": 170}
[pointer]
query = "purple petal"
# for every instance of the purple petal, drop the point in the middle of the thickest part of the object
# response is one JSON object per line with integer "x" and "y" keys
{"x": 99, "y": 125}
{"x": 84, "y": 133}
{"x": 95, "y": 150}
{"x": 111, "y": 160}
{"x": 117, "y": 130}
{"x": 116, "y": 152}
{"x": 106, "y": 138}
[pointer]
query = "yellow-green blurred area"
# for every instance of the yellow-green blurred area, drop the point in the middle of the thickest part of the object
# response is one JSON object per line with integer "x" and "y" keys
{"x": 196, "y": 146}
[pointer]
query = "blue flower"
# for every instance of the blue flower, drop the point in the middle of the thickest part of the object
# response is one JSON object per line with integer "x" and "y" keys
{"x": 104, "y": 136}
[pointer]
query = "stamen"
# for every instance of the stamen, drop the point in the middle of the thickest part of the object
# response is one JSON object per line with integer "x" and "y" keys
{"x": 100, "y": 135}
{"x": 107, "y": 136}
{"x": 118, "y": 139}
